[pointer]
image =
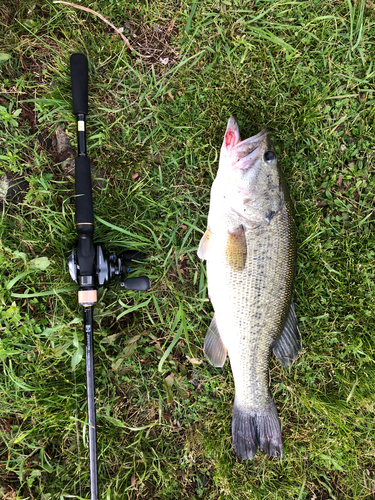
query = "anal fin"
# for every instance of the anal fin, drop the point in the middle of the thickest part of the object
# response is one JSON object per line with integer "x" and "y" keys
{"x": 214, "y": 349}
{"x": 288, "y": 345}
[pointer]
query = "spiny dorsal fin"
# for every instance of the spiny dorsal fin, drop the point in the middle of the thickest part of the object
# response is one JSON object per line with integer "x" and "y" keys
{"x": 214, "y": 349}
{"x": 287, "y": 345}
{"x": 236, "y": 250}
{"x": 205, "y": 245}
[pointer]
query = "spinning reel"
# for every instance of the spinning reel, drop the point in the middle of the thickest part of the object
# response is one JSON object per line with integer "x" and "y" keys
{"x": 90, "y": 265}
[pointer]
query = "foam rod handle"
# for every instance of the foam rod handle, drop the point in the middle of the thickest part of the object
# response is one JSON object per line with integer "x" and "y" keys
{"x": 84, "y": 208}
{"x": 79, "y": 74}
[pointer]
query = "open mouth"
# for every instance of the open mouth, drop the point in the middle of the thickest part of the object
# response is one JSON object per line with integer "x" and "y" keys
{"x": 247, "y": 153}
{"x": 248, "y": 147}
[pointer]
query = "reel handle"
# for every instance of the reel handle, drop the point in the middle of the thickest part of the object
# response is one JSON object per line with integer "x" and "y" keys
{"x": 142, "y": 283}
{"x": 79, "y": 74}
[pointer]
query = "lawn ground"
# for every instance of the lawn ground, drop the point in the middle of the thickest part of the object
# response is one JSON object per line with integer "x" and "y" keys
{"x": 158, "y": 112}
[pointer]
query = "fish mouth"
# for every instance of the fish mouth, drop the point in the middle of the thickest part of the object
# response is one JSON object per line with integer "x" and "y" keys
{"x": 246, "y": 153}
{"x": 232, "y": 140}
{"x": 242, "y": 155}
{"x": 255, "y": 139}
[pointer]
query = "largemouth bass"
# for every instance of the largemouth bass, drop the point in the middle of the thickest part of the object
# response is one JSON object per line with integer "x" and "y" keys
{"x": 250, "y": 250}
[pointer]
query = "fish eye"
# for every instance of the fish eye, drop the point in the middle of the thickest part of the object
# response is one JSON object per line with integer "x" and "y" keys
{"x": 269, "y": 156}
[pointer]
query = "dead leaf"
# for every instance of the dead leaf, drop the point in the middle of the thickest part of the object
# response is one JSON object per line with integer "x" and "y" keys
{"x": 133, "y": 339}
{"x": 116, "y": 364}
{"x": 110, "y": 338}
{"x": 169, "y": 381}
{"x": 129, "y": 350}
{"x": 167, "y": 384}
{"x": 195, "y": 361}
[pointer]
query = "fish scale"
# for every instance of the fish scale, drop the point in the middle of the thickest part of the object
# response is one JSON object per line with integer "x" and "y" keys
{"x": 256, "y": 300}
{"x": 250, "y": 250}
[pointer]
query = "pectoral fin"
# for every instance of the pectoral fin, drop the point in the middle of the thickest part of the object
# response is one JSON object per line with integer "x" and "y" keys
{"x": 214, "y": 349}
{"x": 205, "y": 245}
{"x": 287, "y": 346}
{"x": 236, "y": 249}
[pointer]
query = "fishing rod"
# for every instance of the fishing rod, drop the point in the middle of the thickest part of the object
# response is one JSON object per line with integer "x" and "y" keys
{"x": 91, "y": 265}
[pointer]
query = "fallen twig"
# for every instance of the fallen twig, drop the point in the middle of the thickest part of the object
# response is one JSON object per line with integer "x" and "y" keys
{"x": 86, "y": 9}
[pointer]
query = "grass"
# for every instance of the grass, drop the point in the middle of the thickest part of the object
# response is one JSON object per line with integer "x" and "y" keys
{"x": 305, "y": 71}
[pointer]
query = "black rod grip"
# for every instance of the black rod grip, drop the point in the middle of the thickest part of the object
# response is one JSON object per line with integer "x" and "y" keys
{"x": 84, "y": 207}
{"x": 79, "y": 74}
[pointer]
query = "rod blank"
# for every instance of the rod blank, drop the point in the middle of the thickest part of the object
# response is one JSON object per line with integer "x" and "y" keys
{"x": 88, "y": 317}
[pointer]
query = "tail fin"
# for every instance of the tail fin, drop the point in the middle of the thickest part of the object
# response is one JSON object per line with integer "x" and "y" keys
{"x": 256, "y": 428}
